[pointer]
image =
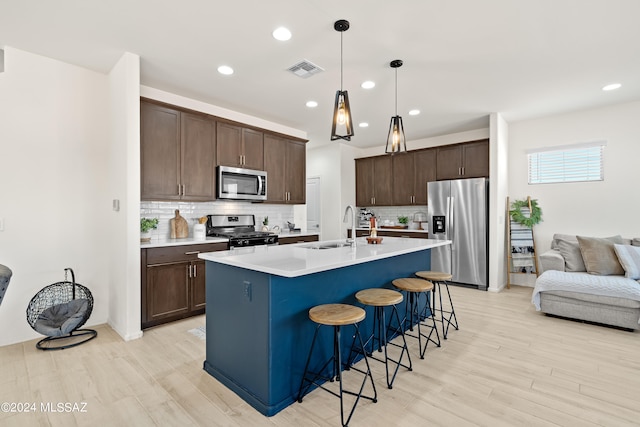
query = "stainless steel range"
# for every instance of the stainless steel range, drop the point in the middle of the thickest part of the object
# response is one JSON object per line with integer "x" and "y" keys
{"x": 240, "y": 230}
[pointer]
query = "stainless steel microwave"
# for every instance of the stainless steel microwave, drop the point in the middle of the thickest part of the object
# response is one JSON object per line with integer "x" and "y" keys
{"x": 241, "y": 184}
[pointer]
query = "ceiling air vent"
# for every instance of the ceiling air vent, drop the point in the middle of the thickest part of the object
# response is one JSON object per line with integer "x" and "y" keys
{"x": 305, "y": 69}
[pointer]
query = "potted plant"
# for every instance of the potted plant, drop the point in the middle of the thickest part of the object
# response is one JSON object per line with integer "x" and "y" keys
{"x": 265, "y": 224}
{"x": 146, "y": 225}
{"x": 403, "y": 220}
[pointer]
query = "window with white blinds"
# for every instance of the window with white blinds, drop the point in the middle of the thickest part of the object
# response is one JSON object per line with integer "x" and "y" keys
{"x": 574, "y": 163}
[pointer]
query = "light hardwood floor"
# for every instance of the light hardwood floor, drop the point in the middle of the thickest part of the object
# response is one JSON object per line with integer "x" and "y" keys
{"x": 508, "y": 365}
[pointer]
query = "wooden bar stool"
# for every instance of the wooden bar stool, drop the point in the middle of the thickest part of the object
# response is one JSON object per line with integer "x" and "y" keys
{"x": 336, "y": 315}
{"x": 414, "y": 288}
{"x": 438, "y": 278}
{"x": 383, "y": 333}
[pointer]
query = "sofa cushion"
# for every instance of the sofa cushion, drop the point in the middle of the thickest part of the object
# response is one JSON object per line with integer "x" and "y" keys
{"x": 629, "y": 257}
{"x": 570, "y": 251}
{"x": 599, "y": 255}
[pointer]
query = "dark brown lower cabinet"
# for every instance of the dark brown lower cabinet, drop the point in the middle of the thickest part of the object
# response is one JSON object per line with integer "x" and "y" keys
{"x": 173, "y": 282}
{"x": 297, "y": 239}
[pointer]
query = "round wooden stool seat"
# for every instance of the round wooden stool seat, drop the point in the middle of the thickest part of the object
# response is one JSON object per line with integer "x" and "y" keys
{"x": 413, "y": 285}
{"x": 436, "y": 276}
{"x": 379, "y": 297}
{"x": 336, "y": 314}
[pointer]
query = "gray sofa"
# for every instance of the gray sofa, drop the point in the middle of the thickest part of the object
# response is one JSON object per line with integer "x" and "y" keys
{"x": 585, "y": 278}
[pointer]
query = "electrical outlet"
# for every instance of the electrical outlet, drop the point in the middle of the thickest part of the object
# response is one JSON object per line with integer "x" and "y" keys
{"x": 247, "y": 290}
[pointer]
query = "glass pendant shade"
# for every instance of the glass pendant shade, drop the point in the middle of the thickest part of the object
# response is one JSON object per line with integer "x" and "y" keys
{"x": 342, "y": 123}
{"x": 396, "y": 141}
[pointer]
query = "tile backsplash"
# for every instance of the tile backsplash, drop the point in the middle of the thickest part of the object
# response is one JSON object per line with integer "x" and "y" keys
{"x": 391, "y": 213}
{"x": 191, "y": 211}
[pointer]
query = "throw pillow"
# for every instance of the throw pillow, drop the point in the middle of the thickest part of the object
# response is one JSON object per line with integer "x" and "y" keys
{"x": 570, "y": 251}
{"x": 629, "y": 257}
{"x": 599, "y": 256}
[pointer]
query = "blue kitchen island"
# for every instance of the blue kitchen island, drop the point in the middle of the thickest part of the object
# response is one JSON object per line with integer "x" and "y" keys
{"x": 258, "y": 332}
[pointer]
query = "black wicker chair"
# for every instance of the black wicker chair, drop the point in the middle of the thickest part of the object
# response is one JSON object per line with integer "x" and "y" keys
{"x": 59, "y": 311}
{"x": 5, "y": 277}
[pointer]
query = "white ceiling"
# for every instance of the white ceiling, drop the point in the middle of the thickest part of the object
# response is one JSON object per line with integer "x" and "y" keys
{"x": 463, "y": 59}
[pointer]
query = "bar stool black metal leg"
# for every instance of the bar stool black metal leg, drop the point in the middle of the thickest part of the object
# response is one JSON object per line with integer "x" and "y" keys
{"x": 452, "y": 313}
{"x": 336, "y": 373}
{"x": 433, "y": 328}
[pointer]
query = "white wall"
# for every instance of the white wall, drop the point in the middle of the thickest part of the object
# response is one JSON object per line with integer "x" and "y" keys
{"x": 54, "y": 195}
{"x": 602, "y": 208}
{"x": 124, "y": 186}
{"x": 498, "y": 190}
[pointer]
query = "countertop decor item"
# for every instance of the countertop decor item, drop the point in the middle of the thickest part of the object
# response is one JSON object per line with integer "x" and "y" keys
{"x": 374, "y": 240}
{"x": 200, "y": 229}
{"x": 146, "y": 225}
{"x": 179, "y": 227}
{"x": 420, "y": 217}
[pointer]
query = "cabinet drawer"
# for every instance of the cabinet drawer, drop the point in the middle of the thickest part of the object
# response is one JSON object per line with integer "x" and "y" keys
{"x": 181, "y": 253}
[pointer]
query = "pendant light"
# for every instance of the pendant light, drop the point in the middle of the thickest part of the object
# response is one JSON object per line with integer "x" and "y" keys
{"x": 342, "y": 120}
{"x": 396, "y": 129}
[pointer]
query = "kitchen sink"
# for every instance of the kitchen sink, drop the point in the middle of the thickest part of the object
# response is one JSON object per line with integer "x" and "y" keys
{"x": 326, "y": 245}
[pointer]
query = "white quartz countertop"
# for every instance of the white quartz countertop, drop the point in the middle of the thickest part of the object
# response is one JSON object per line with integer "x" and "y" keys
{"x": 305, "y": 258}
{"x": 158, "y": 243}
{"x": 179, "y": 242}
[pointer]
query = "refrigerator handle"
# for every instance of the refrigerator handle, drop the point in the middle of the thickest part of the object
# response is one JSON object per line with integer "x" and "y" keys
{"x": 451, "y": 227}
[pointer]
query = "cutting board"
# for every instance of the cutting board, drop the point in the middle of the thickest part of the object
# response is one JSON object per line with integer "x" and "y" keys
{"x": 179, "y": 227}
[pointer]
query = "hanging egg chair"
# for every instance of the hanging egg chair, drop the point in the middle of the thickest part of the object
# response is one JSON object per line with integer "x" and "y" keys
{"x": 59, "y": 311}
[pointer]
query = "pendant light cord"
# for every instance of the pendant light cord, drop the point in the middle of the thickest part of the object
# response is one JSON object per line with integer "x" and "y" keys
{"x": 341, "y": 61}
{"x": 396, "y": 91}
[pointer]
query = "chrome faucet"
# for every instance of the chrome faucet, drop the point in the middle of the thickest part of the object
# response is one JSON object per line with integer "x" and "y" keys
{"x": 352, "y": 240}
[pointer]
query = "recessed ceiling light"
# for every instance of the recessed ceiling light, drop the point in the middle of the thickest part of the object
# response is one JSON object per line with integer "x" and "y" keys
{"x": 612, "y": 86}
{"x": 414, "y": 112}
{"x": 364, "y": 125}
{"x": 368, "y": 84}
{"x": 312, "y": 104}
{"x": 225, "y": 69}
{"x": 282, "y": 34}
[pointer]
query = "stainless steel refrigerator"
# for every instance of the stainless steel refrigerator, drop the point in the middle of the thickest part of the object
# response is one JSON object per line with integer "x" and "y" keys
{"x": 458, "y": 211}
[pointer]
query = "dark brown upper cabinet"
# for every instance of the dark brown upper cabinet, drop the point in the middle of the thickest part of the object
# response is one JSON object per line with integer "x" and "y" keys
{"x": 466, "y": 160}
{"x": 285, "y": 163}
{"x": 411, "y": 172}
{"x": 240, "y": 147}
{"x": 177, "y": 156}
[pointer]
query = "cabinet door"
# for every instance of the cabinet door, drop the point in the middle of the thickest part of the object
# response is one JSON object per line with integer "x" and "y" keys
{"x": 274, "y": 165}
{"x": 403, "y": 179}
{"x": 383, "y": 180}
{"x": 167, "y": 291}
{"x": 159, "y": 152}
{"x": 364, "y": 182}
{"x": 198, "y": 158}
{"x": 228, "y": 145}
{"x": 198, "y": 286}
{"x": 476, "y": 159}
{"x": 449, "y": 162}
{"x": 425, "y": 171}
{"x": 252, "y": 149}
{"x": 296, "y": 167}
